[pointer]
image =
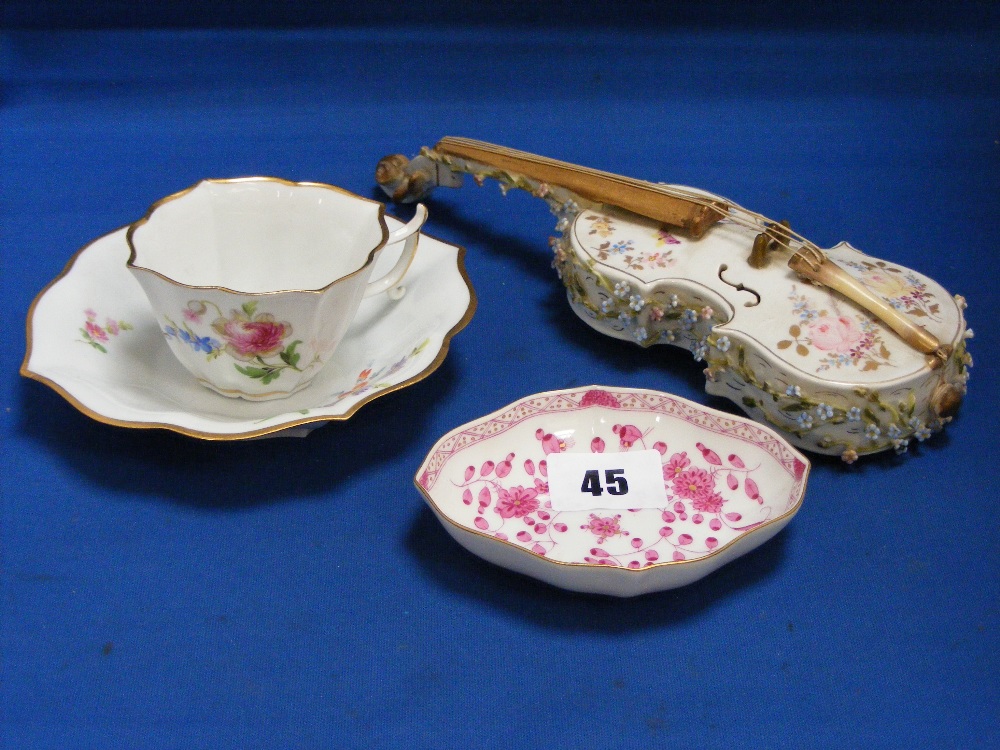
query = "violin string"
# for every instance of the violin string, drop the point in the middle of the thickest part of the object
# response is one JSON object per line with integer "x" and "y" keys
{"x": 733, "y": 211}
{"x": 739, "y": 215}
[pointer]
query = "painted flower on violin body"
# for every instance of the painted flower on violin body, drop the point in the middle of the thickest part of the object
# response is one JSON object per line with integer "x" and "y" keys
{"x": 516, "y": 502}
{"x": 801, "y": 307}
{"x": 888, "y": 284}
{"x": 250, "y": 336}
{"x": 621, "y": 247}
{"x": 835, "y": 334}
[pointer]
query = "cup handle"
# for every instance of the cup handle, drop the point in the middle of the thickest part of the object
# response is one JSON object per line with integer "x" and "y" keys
{"x": 409, "y": 233}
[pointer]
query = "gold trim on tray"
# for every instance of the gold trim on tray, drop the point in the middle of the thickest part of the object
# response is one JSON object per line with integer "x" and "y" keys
{"x": 786, "y": 516}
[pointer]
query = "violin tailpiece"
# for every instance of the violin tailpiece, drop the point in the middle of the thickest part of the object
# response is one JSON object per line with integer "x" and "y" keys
{"x": 813, "y": 265}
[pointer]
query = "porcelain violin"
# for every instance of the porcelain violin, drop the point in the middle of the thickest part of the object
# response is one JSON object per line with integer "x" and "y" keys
{"x": 842, "y": 352}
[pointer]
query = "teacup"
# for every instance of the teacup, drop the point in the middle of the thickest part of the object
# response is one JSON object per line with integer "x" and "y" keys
{"x": 255, "y": 280}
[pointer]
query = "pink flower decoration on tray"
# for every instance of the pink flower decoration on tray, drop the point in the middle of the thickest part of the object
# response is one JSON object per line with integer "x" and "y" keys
{"x": 715, "y": 510}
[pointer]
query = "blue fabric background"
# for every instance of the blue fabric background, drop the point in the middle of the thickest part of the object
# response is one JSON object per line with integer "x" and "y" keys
{"x": 161, "y": 592}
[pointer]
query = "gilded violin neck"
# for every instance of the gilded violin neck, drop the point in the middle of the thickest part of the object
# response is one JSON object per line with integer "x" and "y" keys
{"x": 640, "y": 197}
{"x": 407, "y": 181}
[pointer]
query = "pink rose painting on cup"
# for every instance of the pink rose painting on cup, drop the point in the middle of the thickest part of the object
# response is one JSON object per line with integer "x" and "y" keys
{"x": 845, "y": 341}
{"x": 257, "y": 339}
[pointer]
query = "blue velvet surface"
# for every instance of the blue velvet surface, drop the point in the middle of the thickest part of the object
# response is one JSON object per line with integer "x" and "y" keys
{"x": 161, "y": 592}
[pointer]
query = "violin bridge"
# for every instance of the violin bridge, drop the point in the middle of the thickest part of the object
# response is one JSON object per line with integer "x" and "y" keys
{"x": 776, "y": 236}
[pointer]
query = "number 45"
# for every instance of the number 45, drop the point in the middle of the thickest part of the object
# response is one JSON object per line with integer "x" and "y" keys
{"x": 615, "y": 484}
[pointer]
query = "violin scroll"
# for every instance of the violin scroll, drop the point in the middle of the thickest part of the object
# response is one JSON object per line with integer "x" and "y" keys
{"x": 410, "y": 180}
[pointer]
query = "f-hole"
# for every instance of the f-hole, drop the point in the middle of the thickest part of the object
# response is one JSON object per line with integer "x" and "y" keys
{"x": 739, "y": 287}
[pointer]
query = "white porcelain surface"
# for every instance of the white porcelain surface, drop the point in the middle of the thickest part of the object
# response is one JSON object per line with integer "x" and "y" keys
{"x": 93, "y": 338}
{"x": 255, "y": 280}
{"x": 731, "y": 484}
{"x": 793, "y": 355}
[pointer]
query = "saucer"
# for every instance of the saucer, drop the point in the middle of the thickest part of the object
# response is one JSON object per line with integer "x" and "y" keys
{"x": 724, "y": 485}
{"x": 93, "y": 339}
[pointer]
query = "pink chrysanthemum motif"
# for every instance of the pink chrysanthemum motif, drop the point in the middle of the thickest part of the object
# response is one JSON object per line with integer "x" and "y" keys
{"x": 694, "y": 484}
{"x": 599, "y": 398}
{"x": 710, "y": 502}
{"x": 516, "y": 502}
{"x": 675, "y": 466}
{"x": 603, "y": 527}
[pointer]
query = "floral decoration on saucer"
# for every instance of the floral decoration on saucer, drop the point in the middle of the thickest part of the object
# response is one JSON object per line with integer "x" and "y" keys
{"x": 93, "y": 338}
